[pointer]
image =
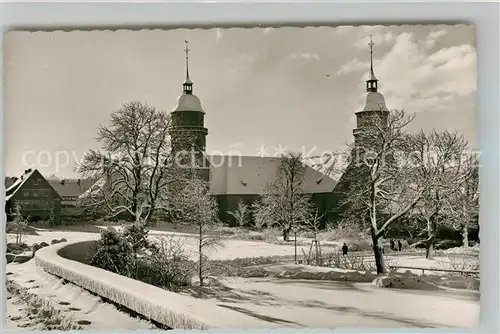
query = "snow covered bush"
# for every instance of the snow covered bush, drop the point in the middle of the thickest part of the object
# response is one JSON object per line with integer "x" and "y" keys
{"x": 462, "y": 263}
{"x": 112, "y": 252}
{"x": 346, "y": 229}
{"x": 168, "y": 266}
{"x": 164, "y": 263}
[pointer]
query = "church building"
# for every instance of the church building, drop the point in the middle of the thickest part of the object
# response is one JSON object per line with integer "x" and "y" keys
{"x": 235, "y": 178}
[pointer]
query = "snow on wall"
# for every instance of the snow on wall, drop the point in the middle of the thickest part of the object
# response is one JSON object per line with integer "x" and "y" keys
{"x": 171, "y": 309}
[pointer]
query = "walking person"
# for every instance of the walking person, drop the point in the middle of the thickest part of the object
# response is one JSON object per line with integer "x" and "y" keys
{"x": 393, "y": 244}
{"x": 345, "y": 249}
{"x": 400, "y": 245}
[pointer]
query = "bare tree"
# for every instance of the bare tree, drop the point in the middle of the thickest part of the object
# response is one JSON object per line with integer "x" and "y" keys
{"x": 197, "y": 207}
{"x": 241, "y": 214}
{"x": 18, "y": 224}
{"x": 436, "y": 157}
{"x": 463, "y": 201}
{"x": 312, "y": 223}
{"x": 382, "y": 180}
{"x": 284, "y": 204}
{"x": 135, "y": 167}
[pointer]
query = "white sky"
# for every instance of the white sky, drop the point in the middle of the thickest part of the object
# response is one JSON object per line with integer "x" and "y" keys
{"x": 294, "y": 87}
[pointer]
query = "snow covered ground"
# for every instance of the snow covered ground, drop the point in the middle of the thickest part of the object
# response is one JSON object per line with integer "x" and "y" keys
{"x": 75, "y": 302}
{"x": 288, "y": 302}
{"x": 317, "y": 304}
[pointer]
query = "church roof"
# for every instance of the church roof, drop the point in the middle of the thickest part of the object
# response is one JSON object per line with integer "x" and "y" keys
{"x": 188, "y": 102}
{"x": 250, "y": 175}
{"x": 371, "y": 75}
{"x": 375, "y": 102}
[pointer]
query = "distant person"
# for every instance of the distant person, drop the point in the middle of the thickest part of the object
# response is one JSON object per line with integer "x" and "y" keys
{"x": 393, "y": 244}
{"x": 400, "y": 245}
{"x": 345, "y": 249}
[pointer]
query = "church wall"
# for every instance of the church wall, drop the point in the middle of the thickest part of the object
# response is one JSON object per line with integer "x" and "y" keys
{"x": 226, "y": 203}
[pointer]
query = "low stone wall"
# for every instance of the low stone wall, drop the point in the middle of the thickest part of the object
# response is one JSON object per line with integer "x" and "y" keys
{"x": 77, "y": 251}
{"x": 168, "y": 308}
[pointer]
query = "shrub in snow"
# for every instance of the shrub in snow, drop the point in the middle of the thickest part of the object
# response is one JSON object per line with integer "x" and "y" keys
{"x": 43, "y": 244}
{"x": 163, "y": 264}
{"x": 168, "y": 266}
{"x": 63, "y": 240}
{"x": 54, "y": 241}
{"x": 462, "y": 263}
{"x": 112, "y": 252}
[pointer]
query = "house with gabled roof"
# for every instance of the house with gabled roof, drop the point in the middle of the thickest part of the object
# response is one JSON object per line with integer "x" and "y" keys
{"x": 34, "y": 195}
{"x": 25, "y": 193}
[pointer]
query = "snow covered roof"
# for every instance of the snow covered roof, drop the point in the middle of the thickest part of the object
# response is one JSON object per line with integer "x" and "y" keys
{"x": 64, "y": 188}
{"x": 71, "y": 187}
{"x": 188, "y": 102}
{"x": 375, "y": 102}
{"x": 13, "y": 188}
{"x": 250, "y": 175}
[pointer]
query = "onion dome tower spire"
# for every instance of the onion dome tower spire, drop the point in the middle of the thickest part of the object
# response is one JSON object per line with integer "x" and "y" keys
{"x": 372, "y": 82}
{"x": 375, "y": 109}
{"x": 188, "y": 131}
{"x": 187, "y": 85}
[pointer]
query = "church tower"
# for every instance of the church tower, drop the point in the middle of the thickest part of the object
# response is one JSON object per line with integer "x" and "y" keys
{"x": 188, "y": 132}
{"x": 375, "y": 112}
{"x": 375, "y": 109}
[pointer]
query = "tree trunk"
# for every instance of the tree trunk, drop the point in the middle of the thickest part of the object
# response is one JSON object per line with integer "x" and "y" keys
{"x": 379, "y": 257}
{"x": 465, "y": 236}
{"x": 200, "y": 268}
{"x": 429, "y": 245}
{"x": 286, "y": 234}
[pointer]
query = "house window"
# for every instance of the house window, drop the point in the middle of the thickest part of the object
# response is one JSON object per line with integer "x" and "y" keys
{"x": 26, "y": 194}
{"x": 35, "y": 193}
{"x": 45, "y": 193}
{"x": 36, "y": 182}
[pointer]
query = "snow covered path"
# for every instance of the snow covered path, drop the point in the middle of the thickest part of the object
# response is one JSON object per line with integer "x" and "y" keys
{"x": 314, "y": 304}
{"x": 70, "y": 299}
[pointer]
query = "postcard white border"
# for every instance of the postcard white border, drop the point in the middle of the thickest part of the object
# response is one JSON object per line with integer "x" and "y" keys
{"x": 91, "y": 15}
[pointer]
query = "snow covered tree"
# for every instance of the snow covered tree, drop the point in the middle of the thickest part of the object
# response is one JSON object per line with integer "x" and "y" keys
{"x": 436, "y": 156}
{"x": 135, "y": 166}
{"x": 242, "y": 214}
{"x": 17, "y": 225}
{"x": 383, "y": 182}
{"x": 463, "y": 201}
{"x": 52, "y": 217}
{"x": 283, "y": 203}
{"x": 196, "y": 207}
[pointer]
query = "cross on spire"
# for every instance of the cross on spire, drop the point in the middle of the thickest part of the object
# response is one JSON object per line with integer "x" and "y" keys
{"x": 371, "y": 83}
{"x": 371, "y": 44}
{"x": 188, "y": 84}
{"x": 187, "y": 50}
